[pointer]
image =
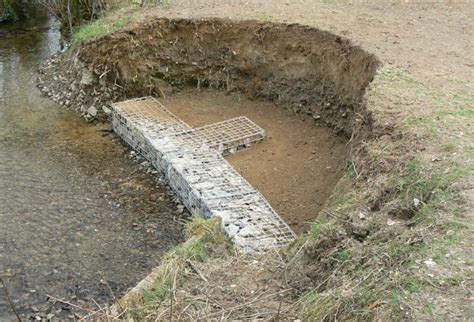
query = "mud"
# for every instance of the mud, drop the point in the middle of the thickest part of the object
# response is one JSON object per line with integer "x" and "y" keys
{"x": 295, "y": 167}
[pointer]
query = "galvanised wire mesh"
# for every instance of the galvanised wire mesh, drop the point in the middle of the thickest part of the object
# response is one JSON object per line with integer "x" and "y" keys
{"x": 228, "y": 136}
{"x": 192, "y": 161}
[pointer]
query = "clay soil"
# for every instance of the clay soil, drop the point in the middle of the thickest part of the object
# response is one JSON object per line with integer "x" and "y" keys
{"x": 295, "y": 167}
{"x": 421, "y": 106}
{"x": 424, "y": 89}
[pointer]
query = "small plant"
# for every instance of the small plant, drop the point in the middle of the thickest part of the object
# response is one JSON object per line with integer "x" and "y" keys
{"x": 343, "y": 255}
{"x": 412, "y": 286}
{"x": 316, "y": 229}
{"x": 10, "y": 10}
{"x": 449, "y": 147}
{"x": 266, "y": 17}
{"x": 89, "y": 31}
{"x": 204, "y": 237}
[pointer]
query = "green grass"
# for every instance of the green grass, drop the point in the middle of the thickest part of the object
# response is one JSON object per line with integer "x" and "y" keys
{"x": 111, "y": 22}
{"x": 343, "y": 255}
{"x": 427, "y": 184}
{"x": 430, "y": 309}
{"x": 11, "y": 10}
{"x": 159, "y": 291}
{"x": 379, "y": 269}
{"x": 91, "y": 30}
{"x": 204, "y": 236}
{"x": 412, "y": 285}
{"x": 266, "y": 17}
{"x": 197, "y": 249}
{"x": 450, "y": 147}
{"x": 316, "y": 229}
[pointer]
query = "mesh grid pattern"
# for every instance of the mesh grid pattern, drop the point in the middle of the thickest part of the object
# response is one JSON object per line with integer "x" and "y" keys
{"x": 192, "y": 161}
{"x": 228, "y": 136}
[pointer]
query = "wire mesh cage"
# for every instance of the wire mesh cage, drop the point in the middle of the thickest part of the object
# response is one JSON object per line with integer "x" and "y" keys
{"x": 193, "y": 163}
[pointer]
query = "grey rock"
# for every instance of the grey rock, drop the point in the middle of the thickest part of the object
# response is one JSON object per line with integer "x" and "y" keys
{"x": 232, "y": 230}
{"x": 87, "y": 77}
{"x": 106, "y": 110}
{"x": 92, "y": 111}
{"x": 247, "y": 232}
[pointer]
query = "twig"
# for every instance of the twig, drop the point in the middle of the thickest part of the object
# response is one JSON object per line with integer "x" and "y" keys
{"x": 183, "y": 311}
{"x": 111, "y": 292}
{"x": 256, "y": 299}
{"x": 162, "y": 93}
{"x": 328, "y": 212}
{"x": 277, "y": 318}
{"x": 71, "y": 304}
{"x": 171, "y": 302}
{"x": 10, "y": 302}
{"x": 104, "y": 73}
{"x": 197, "y": 271}
{"x": 285, "y": 270}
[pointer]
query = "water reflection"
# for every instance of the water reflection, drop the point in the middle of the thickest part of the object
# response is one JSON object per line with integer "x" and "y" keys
{"x": 76, "y": 217}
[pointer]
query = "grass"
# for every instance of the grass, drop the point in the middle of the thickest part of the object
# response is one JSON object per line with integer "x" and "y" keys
{"x": 316, "y": 229}
{"x": 412, "y": 285}
{"x": 385, "y": 279}
{"x": 204, "y": 237}
{"x": 266, "y": 17}
{"x": 13, "y": 10}
{"x": 450, "y": 147}
{"x": 370, "y": 278}
{"x": 380, "y": 269}
{"x": 343, "y": 255}
{"x": 112, "y": 21}
{"x": 91, "y": 30}
{"x": 430, "y": 309}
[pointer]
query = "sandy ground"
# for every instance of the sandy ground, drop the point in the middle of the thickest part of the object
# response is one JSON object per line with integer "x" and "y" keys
{"x": 295, "y": 167}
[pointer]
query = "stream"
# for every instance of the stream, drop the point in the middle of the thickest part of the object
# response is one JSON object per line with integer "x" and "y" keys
{"x": 81, "y": 221}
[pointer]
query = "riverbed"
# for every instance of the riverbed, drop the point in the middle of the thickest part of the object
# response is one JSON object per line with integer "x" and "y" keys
{"x": 81, "y": 220}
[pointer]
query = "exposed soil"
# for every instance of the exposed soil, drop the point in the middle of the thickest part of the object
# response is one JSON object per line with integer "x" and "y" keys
{"x": 305, "y": 69}
{"x": 295, "y": 167}
{"x": 307, "y": 89}
{"x": 420, "y": 104}
{"x": 424, "y": 89}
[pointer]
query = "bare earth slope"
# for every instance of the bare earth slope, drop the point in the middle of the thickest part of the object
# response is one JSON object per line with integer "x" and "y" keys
{"x": 425, "y": 89}
{"x": 394, "y": 239}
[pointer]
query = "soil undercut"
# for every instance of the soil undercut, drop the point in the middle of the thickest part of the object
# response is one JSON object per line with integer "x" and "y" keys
{"x": 303, "y": 85}
{"x": 391, "y": 240}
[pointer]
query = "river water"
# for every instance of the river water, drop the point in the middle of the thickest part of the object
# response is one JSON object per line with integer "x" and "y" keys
{"x": 79, "y": 219}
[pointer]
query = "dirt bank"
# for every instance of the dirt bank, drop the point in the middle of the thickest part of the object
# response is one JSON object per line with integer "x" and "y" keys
{"x": 300, "y": 68}
{"x": 421, "y": 102}
{"x": 392, "y": 244}
{"x": 296, "y": 81}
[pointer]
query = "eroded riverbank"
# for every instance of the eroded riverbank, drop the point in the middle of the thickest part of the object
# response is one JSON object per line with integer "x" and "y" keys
{"x": 79, "y": 220}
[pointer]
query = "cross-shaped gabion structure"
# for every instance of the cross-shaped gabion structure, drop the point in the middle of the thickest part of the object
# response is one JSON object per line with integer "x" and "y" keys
{"x": 191, "y": 159}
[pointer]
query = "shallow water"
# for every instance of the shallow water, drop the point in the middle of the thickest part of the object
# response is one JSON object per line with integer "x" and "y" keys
{"x": 79, "y": 220}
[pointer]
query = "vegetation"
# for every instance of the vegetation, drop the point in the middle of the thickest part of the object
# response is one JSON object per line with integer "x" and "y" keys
{"x": 79, "y": 17}
{"x": 10, "y": 10}
{"x": 205, "y": 241}
{"x": 102, "y": 26}
{"x": 374, "y": 279}
{"x": 409, "y": 211}
{"x": 72, "y": 13}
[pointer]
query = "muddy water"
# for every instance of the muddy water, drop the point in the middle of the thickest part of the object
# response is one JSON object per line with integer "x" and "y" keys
{"x": 79, "y": 220}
